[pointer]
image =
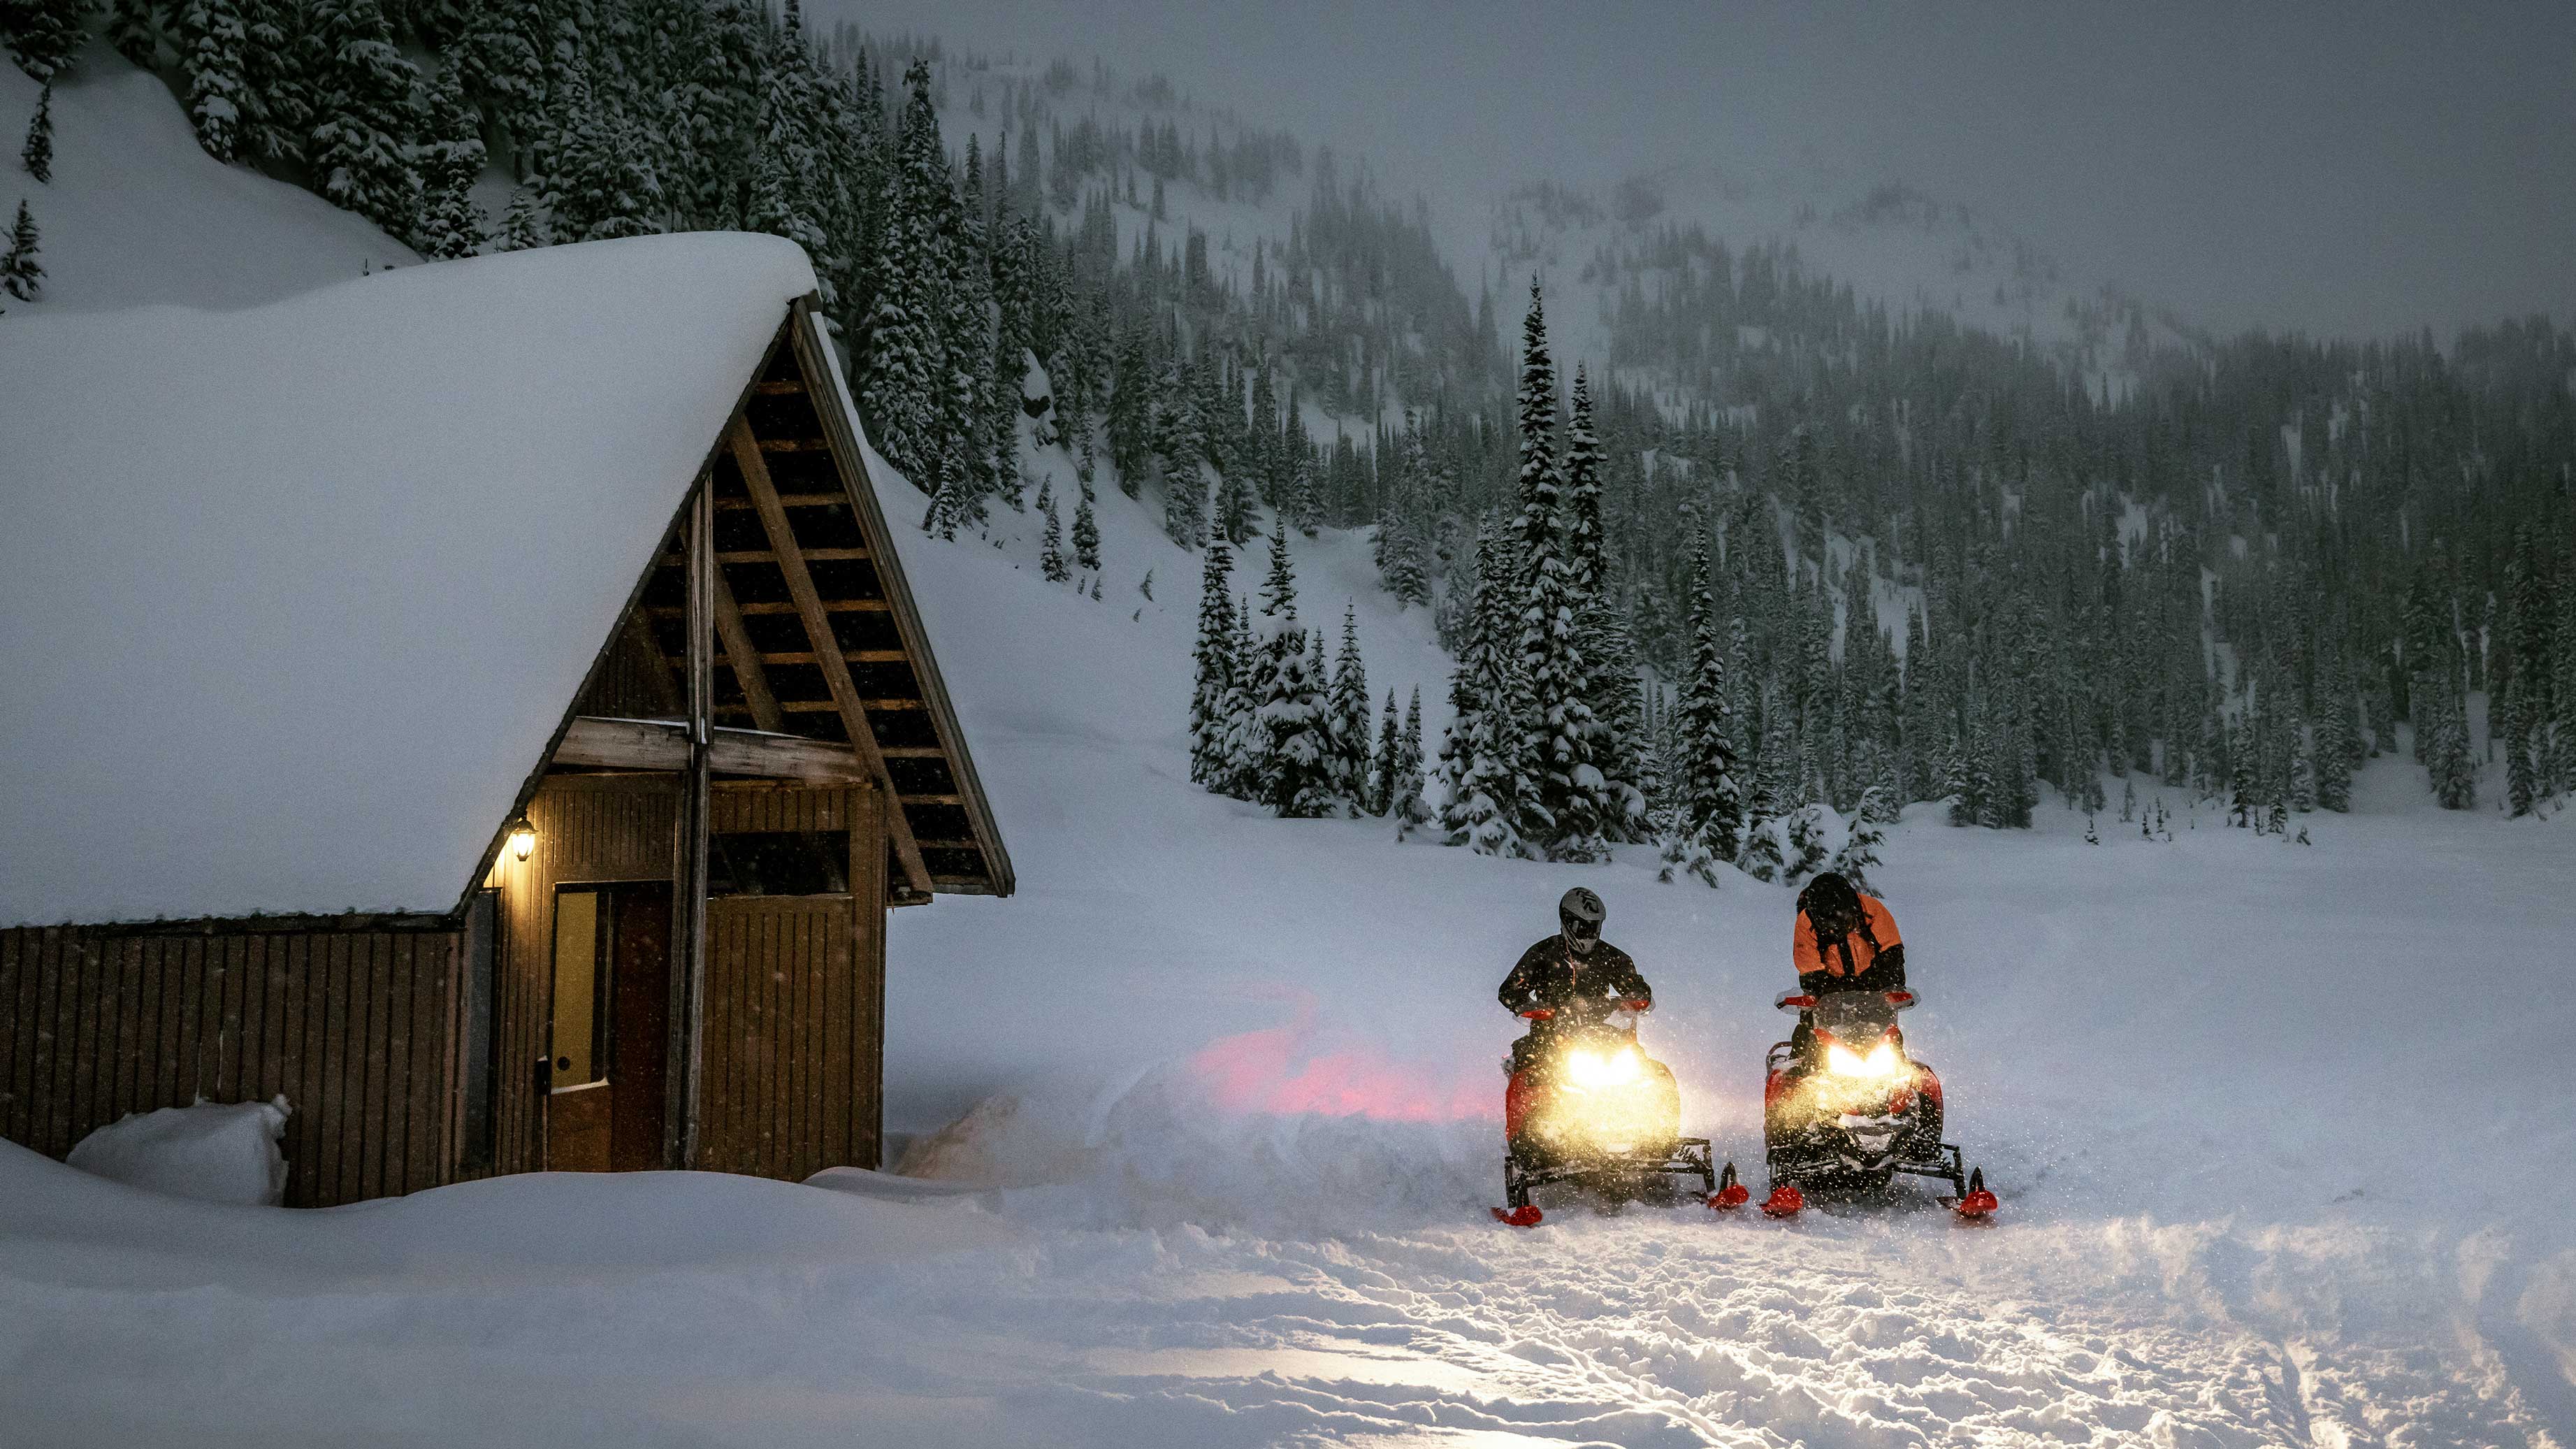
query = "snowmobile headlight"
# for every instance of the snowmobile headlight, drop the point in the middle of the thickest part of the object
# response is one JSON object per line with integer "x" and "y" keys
{"x": 1842, "y": 1061}
{"x": 1592, "y": 1069}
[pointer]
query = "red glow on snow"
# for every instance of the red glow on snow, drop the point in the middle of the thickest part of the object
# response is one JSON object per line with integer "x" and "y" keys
{"x": 1285, "y": 1070}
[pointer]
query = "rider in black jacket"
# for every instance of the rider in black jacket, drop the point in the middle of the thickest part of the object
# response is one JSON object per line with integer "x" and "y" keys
{"x": 1571, "y": 975}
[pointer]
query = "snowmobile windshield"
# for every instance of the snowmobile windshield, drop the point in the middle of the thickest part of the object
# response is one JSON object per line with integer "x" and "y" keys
{"x": 1855, "y": 1018}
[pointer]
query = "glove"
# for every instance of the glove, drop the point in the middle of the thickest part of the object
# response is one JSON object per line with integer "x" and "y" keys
{"x": 1540, "y": 1013}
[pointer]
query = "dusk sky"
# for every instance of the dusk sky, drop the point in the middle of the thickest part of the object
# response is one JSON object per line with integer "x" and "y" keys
{"x": 2338, "y": 168}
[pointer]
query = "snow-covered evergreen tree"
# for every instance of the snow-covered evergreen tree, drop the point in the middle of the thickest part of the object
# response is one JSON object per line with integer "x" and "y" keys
{"x": 1566, "y": 809}
{"x": 1296, "y": 766}
{"x": 1708, "y": 812}
{"x": 1481, "y": 755}
{"x": 1404, "y": 793}
{"x": 1086, "y": 533}
{"x": 44, "y": 36}
{"x": 1380, "y": 796}
{"x": 1051, "y": 552}
{"x": 1213, "y": 729}
{"x": 520, "y": 227}
{"x": 451, "y": 161}
{"x": 903, "y": 360}
{"x": 21, "y": 275}
{"x": 1349, "y": 713}
{"x": 367, "y": 115}
{"x": 213, "y": 40}
{"x": 37, "y": 154}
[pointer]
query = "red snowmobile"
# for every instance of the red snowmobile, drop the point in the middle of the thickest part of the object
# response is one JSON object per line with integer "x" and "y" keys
{"x": 1856, "y": 1113}
{"x": 1593, "y": 1111}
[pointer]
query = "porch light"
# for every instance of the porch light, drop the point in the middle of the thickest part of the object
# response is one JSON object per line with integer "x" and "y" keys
{"x": 523, "y": 838}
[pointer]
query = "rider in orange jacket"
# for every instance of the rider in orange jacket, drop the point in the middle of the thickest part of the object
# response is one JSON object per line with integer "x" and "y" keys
{"x": 1844, "y": 941}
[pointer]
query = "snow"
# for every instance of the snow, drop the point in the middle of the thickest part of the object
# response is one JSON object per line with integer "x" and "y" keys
{"x": 211, "y": 1152}
{"x": 1202, "y": 1129}
{"x": 293, "y": 597}
{"x": 138, "y": 213}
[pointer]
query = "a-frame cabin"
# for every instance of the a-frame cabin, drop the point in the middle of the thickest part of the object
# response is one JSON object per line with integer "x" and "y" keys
{"x": 671, "y": 951}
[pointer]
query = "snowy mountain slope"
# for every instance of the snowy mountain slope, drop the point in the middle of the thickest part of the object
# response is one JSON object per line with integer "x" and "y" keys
{"x": 1887, "y": 241}
{"x": 138, "y": 213}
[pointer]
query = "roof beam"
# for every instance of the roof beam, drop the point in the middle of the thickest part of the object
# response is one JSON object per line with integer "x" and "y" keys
{"x": 659, "y": 745}
{"x": 827, "y": 648}
{"x": 746, "y": 661}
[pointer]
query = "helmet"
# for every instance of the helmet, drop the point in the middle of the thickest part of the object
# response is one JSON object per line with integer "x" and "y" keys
{"x": 1831, "y": 904}
{"x": 1580, "y": 912}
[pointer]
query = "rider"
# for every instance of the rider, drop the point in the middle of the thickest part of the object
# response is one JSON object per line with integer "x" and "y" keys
{"x": 1844, "y": 941}
{"x": 1571, "y": 975}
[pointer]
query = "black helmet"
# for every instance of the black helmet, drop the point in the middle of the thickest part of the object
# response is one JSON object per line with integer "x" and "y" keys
{"x": 1580, "y": 912}
{"x": 1831, "y": 904}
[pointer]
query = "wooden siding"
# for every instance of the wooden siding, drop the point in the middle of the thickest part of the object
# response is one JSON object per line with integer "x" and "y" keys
{"x": 354, "y": 1027}
{"x": 795, "y": 1004}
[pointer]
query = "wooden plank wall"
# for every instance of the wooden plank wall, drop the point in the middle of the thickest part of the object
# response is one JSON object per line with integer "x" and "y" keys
{"x": 589, "y": 828}
{"x": 795, "y": 1017}
{"x": 352, "y": 1027}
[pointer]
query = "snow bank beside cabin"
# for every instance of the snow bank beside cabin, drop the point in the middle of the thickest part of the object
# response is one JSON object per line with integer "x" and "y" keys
{"x": 213, "y": 1152}
{"x": 291, "y": 599}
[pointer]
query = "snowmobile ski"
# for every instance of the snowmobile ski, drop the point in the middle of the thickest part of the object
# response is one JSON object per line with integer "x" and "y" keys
{"x": 1526, "y": 1215}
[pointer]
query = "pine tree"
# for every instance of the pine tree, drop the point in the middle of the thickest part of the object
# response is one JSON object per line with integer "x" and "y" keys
{"x": 1051, "y": 552}
{"x": 1380, "y": 796}
{"x": 1212, "y": 674}
{"x": 1481, "y": 755}
{"x": 37, "y": 155}
{"x": 520, "y": 228}
{"x": 451, "y": 223}
{"x": 1405, "y": 792}
{"x": 1602, "y": 646}
{"x": 2454, "y": 769}
{"x": 21, "y": 275}
{"x": 1296, "y": 770}
{"x": 213, "y": 43}
{"x": 1349, "y": 713}
{"x": 368, "y": 118}
{"x": 1564, "y": 804}
{"x": 1086, "y": 533}
{"x": 1709, "y": 794}
{"x": 1859, "y": 854}
{"x": 904, "y": 360}
{"x": 44, "y": 36}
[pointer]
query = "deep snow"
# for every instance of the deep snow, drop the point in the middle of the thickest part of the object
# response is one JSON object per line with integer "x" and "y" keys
{"x": 213, "y": 1151}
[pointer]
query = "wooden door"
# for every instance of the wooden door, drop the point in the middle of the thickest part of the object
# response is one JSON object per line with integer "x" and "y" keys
{"x": 610, "y": 1028}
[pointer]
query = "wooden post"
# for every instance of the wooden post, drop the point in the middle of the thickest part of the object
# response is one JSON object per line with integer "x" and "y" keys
{"x": 689, "y": 914}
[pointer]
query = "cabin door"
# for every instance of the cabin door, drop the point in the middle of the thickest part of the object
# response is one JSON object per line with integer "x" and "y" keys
{"x": 610, "y": 1035}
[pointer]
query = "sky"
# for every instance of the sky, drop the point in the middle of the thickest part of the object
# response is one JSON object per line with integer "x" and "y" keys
{"x": 2343, "y": 169}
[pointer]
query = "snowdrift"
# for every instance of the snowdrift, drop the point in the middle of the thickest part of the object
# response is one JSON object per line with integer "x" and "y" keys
{"x": 213, "y": 1152}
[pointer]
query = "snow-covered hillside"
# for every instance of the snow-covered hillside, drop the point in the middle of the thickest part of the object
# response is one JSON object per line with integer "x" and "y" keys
{"x": 137, "y": 212}
{"x": 1888, "y": 242}
{"x": 1205, "y": 1130}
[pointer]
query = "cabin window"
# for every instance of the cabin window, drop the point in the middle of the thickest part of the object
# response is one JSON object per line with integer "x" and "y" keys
{"x": 778, "y": 863}
{"x": 580, "y": 1037}
{"x": 482, "y": 1041}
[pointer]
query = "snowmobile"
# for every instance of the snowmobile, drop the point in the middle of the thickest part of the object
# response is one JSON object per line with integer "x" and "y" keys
{"x": 1860, "y": 1112}
{"x": 1596, "y": 1112}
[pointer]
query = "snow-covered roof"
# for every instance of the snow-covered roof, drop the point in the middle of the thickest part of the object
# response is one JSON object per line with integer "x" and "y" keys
{"x": 292, "y": 599}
